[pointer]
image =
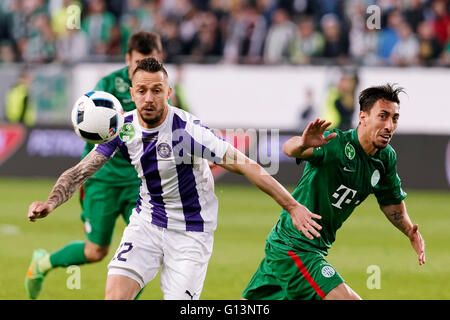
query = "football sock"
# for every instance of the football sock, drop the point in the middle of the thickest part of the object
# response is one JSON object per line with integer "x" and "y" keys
{"x": 72, "y": 254}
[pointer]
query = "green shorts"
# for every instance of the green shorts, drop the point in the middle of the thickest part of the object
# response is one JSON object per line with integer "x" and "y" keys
{"x": 102, "y": 203}
{"x": 292, "y": 274}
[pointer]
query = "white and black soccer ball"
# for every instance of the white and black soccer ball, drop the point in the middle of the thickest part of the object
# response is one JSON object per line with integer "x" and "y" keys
{"x": 97, "y": 117}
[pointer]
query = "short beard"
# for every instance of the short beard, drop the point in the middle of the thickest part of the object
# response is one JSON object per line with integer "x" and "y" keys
{"x": 154, "y": 120}
{"x": 379, "y": 147}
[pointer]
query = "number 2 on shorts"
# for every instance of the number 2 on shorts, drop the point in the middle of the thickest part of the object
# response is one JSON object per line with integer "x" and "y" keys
{"x": 129, "y": 246}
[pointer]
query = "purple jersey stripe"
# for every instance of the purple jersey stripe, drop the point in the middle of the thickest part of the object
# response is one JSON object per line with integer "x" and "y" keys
{"x": 187, "y": 187}
{"x": 124, "y": 149}
{"x": 139, "y": 200}
{"x": 128, "y": 118}
{"x": 149, "y": 164}
{"x": 108, "y": 148}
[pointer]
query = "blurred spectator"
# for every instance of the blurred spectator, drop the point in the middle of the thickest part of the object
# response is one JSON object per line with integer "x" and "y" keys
{"x": 98, "y": 25}
{"x": 306, "y": 43}
{"x": 326, "y": 7}
{"x": 138, "y": 16}
{"x": 336, "y": 42}
{"x": 307, "y": 108}
{"x": 245, "y": 31}
{"x": 445, "y": 56}
{"x": 41, "y": 45}
{"x": 341, "y": 100}
{"x": 297, "y": 8}
{"x": 19, "y": 106}
{"x": 246, "y": 35}
{"x": 388, "y": 36}
{"x": 62, "y": 15}
{"x": 280, "y": 33}
{"x": 178, "y": 98}
{"x": 170, "y": 37}
{"x": 7, "y": 52}
{"x": 266, "y": 8}
{"x": 207, "y": 42}
{"x": 415, "y": 15}
{"x": 73, "y": 46}
{"x": 429, "y": 47}
{"x": 406, "y": 50}
{"x": 441, "y": 20}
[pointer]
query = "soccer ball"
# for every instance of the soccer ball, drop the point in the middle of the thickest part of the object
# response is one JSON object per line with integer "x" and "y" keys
{"x": 97, "y": 117}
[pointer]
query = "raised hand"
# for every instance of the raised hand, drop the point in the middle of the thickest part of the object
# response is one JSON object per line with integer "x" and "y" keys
{"x": 313, "y": 134}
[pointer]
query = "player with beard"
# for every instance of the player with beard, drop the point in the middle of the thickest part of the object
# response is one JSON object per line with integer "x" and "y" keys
{"x": 342, "y": 169}
{"x": 173, "y": 222}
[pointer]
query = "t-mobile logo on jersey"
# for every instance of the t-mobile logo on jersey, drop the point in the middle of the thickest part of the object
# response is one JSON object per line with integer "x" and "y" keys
{"x": 345, "y": 197}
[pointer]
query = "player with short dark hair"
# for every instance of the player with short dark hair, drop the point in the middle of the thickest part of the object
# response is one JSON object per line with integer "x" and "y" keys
{"x": 173, "y": 222}
{"x": 112, "y": 191}
{"x": 342, "y": 169}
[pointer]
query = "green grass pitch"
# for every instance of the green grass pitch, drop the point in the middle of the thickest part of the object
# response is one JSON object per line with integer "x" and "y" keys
{"x": 245, "y": 217}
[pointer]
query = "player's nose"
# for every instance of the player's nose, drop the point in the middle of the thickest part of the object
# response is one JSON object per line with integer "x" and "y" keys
{"x": 148, "y": 96}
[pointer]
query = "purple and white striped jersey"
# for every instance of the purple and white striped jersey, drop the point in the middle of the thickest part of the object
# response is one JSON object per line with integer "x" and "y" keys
{"x": 177, "y": 187}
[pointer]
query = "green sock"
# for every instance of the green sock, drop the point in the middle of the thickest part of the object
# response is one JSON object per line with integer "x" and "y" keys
{"x": 72, "y": 254}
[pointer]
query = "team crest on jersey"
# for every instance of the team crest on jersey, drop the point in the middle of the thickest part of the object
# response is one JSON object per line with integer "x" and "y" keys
{"x": 164, "y": 150}
{"x": 121, "y": 85}
{"x": 127, "y": 132}
{"x": 349, "y": 151}
{"x": 375, "y": 178}
{"x": 328, "y": 271}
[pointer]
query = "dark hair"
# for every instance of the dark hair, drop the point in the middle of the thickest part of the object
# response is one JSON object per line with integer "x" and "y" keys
{"x": 150, "y": 64}
{"x": 368, "y": 97}
{"x": 144, "y": 42}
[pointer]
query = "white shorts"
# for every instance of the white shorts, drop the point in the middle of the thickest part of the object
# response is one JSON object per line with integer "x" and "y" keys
{"x": 183, "y": 255}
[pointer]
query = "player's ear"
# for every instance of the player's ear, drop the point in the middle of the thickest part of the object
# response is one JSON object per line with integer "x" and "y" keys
{"x": 169, "y": 93}
{"x": 363, "y": 117}
{"x": 128, "y": 59}
{"x": 132, "y": 93}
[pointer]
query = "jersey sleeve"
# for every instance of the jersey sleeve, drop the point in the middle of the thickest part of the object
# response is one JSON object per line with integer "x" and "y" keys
{"x": 389, "y": 191}
{"x": 108, "y": 149}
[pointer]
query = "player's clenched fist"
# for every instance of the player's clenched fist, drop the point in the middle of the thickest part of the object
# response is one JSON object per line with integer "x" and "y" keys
{"x": 38, "y": 210}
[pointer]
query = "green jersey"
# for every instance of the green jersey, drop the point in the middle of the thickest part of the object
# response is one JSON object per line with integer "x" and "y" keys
{"x": 117, "y": 169}
{"x": 336, "y": 179}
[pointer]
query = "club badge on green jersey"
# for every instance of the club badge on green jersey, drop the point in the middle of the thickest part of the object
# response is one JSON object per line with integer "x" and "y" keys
{"x": 121, "y": 85}
{"x": 127, "y": 132}
{"x": 328, "y": 271}
{"x": 349, "y": 151}
{"x": 375, "y": 178}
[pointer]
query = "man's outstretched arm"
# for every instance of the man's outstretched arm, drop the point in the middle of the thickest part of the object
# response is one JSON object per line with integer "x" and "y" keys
{"x": 302, "y": 218}
{"x": 398, "y": 216}
{"x": 67, "y": 184}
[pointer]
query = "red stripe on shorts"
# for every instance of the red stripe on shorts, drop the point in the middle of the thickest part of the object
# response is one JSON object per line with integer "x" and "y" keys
{"x": 305, "y": 273}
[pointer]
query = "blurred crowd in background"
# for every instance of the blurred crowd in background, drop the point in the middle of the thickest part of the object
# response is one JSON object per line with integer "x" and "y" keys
{"x": 410, "y": 32}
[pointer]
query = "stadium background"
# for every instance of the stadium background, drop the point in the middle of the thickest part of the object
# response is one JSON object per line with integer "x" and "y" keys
{"x": 256, "y": 67}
